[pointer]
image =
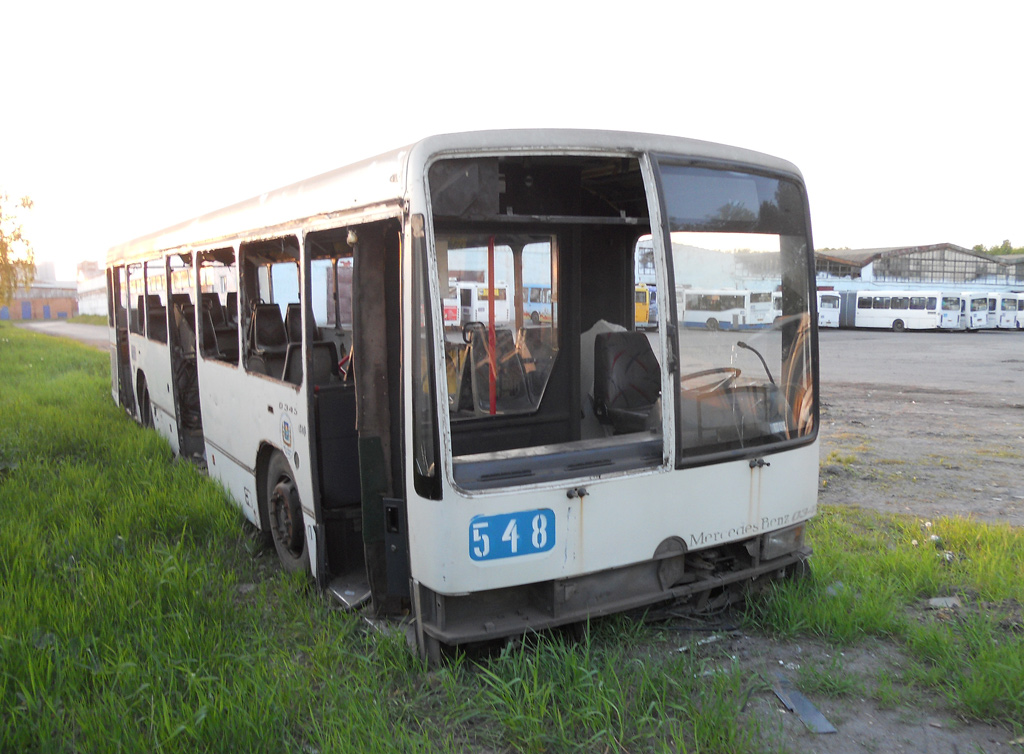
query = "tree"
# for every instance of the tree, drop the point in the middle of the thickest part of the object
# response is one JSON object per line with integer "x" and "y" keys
{"x": 17, "y": 262}
{"x": 1004, "y": 248}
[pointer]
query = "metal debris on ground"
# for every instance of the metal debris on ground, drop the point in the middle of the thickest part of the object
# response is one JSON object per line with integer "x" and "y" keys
{"x": 801, "y": 705}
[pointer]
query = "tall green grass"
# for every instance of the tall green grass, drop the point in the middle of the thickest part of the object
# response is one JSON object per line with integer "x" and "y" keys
{"x": 137, "y": 615}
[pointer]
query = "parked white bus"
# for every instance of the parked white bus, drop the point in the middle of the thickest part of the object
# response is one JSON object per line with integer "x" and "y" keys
{"x": 1005, "y": 306}
{"x": 900, "y": 310}
{"x": 1019, "y": 320}
{"x": 974, "y": 312}
{"x": 949, "y": 314}
{"x": 517, "y": 477}
{"x": 727, "y": 308}
{"x": 828, "y": 309}
{"x": 760, "y": 308}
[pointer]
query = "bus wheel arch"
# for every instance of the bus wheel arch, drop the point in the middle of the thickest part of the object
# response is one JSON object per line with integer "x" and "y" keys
{"x": 712, "y": 323}
{"x": 898, "y": 325}
{"x": 145, "y": 406}
{"x": 281, "y": 511}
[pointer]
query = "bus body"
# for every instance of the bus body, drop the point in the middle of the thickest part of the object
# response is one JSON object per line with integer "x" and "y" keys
{"x": 642, "y": 305}
{"x": 504, "y": 478}
{"x": 475, "y": 307}
{"x": 452, "y": 311}
{"x": 828, "y": 309}
{"x": 760, "y": 308}
{"x": 715, "y": 309}
{"x": 974, "y": 311}
{"x": 898, "y": 310}
{"x": 1019, "y": 320}
{"x": 645, "y": 310}
{"x": 949, "y": 311}
{"x": 537, "y": 303}
{"x": 1005, "y": 307}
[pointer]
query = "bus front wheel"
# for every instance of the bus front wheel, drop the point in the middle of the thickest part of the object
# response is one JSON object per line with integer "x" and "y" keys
{"x": 898, "y": 326}
{"x": 284, "y": 512}
{"x": 711, "y": 324}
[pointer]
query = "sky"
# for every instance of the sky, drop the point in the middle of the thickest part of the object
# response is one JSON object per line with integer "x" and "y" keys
{"x": 122, "y": 118}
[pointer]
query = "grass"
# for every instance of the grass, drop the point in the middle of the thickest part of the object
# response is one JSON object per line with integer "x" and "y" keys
{"x": 88, "y": 319}
{"x": 873, "y": 576}
{"x": 138, "y": 615}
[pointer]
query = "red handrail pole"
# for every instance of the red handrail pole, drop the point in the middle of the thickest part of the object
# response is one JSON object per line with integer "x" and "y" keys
{"x": 491, "y": 340}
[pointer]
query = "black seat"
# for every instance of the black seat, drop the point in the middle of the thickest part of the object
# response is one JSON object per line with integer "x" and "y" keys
{"x": 323, "y": 369}
{"x": 293, "y": 323}
{"x": 231, "y": 308}
{"x": 269, "y": 336}
{"x": 210, "y": 346}
{"x": 184, "y": 321}
{"x": 511, "y": 390}
{"x": 268, "y": 343}
{"x": 211, "y": 303}
{"x": 627, "y": 380}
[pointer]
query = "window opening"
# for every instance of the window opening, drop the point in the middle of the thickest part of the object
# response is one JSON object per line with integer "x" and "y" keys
{"x": 740, "y": 262}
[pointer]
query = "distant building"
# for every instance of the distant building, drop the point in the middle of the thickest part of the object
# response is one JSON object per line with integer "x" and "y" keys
{"x": 943, "y": 265}
{"x": 45, "y": 299}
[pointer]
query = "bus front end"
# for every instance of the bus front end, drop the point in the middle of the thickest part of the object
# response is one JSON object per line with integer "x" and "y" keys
{"x": 588, "y": 463}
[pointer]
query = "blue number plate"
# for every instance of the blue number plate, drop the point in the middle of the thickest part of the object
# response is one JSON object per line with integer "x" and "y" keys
{"x": 509, "y": 535}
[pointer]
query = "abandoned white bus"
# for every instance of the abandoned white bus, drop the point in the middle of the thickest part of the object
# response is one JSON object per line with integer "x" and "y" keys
{"x": 502, "y": 478}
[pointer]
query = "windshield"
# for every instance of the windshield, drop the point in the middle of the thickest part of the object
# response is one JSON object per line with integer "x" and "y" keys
{"x": 737, "y": 240}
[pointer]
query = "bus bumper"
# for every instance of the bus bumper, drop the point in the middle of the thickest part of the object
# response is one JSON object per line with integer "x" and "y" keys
{"x": 735, "y": 569}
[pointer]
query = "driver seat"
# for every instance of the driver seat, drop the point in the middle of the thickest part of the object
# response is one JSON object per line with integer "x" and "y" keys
{"x": 627, "y": 380}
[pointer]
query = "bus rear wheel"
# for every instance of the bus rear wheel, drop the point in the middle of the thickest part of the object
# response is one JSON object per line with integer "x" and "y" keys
{"x": 898, "y": 326}
{"x": 284, "y": 514}
{"x": 711, "y": 324}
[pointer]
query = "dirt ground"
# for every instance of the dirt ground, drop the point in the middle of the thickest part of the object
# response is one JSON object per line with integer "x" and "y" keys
{"x": 928, "y": 424}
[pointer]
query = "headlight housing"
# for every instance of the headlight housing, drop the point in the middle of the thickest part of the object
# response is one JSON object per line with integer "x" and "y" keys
{"x": 778, "y": 543}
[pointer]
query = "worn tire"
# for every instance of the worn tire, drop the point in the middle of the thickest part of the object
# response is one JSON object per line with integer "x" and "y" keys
{"x": 284, "y": 515}
{"x": 145, "y": 406}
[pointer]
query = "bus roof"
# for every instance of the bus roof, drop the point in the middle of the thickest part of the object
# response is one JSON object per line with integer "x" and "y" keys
{"x": 377, "y": 187}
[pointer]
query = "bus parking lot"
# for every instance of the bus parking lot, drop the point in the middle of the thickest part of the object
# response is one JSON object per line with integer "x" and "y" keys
{"x": 925, "y": 423}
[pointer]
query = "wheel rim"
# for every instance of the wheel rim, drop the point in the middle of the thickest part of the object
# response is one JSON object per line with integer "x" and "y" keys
{"x": 286, "y": 516}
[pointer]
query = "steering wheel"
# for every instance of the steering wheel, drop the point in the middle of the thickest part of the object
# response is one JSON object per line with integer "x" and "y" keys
{"x": 728, "y": 376}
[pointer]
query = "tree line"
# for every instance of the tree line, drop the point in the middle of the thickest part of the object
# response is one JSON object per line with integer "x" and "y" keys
{"x": 1004, "y": 248}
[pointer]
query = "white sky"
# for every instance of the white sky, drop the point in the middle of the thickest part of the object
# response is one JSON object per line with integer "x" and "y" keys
{"x": 119, "y": 119}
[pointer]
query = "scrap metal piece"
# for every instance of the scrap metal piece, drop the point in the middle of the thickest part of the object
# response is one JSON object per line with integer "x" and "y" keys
{"x": 797, "y": 702}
